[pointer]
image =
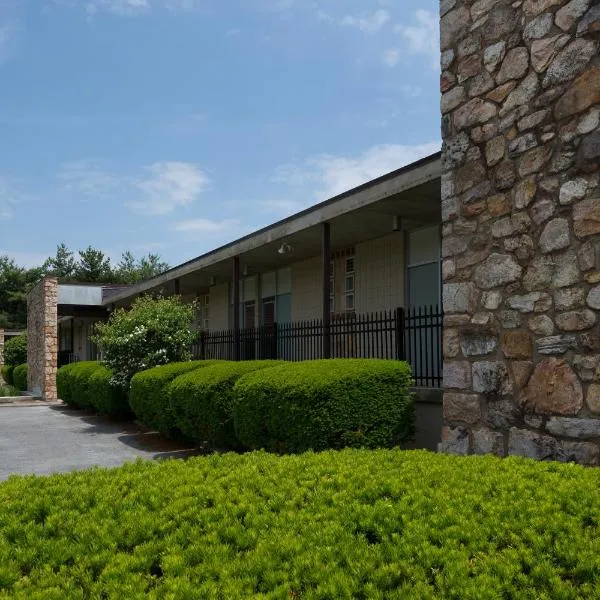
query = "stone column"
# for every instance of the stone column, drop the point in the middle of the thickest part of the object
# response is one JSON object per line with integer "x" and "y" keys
{"x": 521, "y": 227}
{"x": 42, "y": 338}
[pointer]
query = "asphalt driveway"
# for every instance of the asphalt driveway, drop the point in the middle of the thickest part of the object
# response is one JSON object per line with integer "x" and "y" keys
{"x": 49, "y": 439}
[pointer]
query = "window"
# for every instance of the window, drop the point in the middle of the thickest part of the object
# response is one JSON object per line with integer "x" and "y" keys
{"x": 349, "y": 284}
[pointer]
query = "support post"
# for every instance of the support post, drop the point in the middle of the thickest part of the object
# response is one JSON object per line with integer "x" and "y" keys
{"x": 326, "y": 259}
{"x": 236, "y": 307}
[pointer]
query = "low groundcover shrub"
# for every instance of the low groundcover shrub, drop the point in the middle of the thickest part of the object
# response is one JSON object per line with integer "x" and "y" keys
{"x": 19, "y": 377}
{"x": 148, "y": 399}
{"x": 322, "y": 404}
{"x": 202, "y": 401}
{"x": 369, "y": 524}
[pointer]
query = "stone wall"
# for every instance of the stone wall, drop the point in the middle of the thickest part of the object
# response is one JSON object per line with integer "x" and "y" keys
{"x": 521, "y": 234}
{"x": 42, "y": 338}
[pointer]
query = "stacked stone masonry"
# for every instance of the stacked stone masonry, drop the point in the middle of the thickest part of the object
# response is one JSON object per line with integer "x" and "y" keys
{"x": 521, "y": 227}
{"x": 42, "y": 338}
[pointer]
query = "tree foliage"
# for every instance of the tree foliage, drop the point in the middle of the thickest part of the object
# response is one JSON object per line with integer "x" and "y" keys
{"x": 90, "y": 266}
{"x": 155, "y": 331}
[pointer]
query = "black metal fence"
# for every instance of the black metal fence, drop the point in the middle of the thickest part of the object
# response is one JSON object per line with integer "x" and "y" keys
{"x": 412, "y": 334}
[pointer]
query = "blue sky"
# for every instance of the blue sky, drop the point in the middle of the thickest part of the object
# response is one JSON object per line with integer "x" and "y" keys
{"x": 175, "y": 126}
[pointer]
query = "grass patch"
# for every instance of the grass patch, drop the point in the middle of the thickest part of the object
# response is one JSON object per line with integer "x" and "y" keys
{"x": 355, "y": 524}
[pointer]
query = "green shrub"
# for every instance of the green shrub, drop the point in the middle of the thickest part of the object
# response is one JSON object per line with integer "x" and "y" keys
{"x": 7, "y": 391}
{"x": 147, "y": 396}
{"x": 202, "y": 401}
{"x": 337, "y": 525}
{"x": 20, "y": 377}
{"x": 325, "y": 404}
{"x": 103, "y": 396}
{"x": 72, "y": 382}
{"x": 15, "y": 350}
{"x": 155, "y": 331}
{"x": 7, "y": 374}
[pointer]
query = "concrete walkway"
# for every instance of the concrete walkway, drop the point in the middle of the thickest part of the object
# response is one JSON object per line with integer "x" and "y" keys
{"x": 48, "y": 439}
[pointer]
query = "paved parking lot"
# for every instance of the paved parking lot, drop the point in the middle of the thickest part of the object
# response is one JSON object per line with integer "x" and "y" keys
{"x": 48, "y": 439}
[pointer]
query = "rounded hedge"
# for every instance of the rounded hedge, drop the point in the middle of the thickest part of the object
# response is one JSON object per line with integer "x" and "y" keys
{"x": 7, "y": 374}
{"x": 72, "y": 383}
{"x": 104, "y": 396}
{"x": 202, "y": 401}
{"x": 15, "y": 350}
{"x": 322, "y": 404}
{"x": 147, "y": 397}
{"x": 20, "y": 377}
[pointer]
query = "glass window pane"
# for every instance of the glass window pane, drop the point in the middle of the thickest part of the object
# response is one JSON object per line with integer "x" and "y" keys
{"x": 349, "y": 301}
{"x": 350, "y": 265}
{"x": 350, "y": 283}
{"x": 424, "y": 285}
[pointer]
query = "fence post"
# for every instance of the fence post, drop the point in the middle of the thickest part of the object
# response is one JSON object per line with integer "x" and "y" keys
{"x": 400, "y": 331}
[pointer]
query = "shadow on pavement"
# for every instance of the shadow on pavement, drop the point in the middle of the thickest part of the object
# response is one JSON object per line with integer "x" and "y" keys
{"x": 132, "y": 434}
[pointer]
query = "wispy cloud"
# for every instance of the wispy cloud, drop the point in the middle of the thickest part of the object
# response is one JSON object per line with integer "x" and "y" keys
{"x": 367, "y": 22}
{"x": 128, "y": 8}
{"x": 88, "y": 178}
{"x": 159, "y": 189}
{"x": 391, "y": 57}
{"x": 422, "y": 37}
{"x": 201, "y": 225}
{"x": 8, "y": 34}
{"x": 330, "y": 175}
{"x": 117, "y": 7}
{"x": 169, "y": 185}
{"x": 10, "y": 197}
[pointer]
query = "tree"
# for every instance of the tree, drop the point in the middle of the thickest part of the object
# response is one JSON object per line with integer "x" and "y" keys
{"x": 15, "y": 282}
{"x": 151, "y": 266}
{"x": 62, "y": 265}
{"x": 155, "y": 331}
{"x": 93, "y": 267}
{"x": 131, "y": 271}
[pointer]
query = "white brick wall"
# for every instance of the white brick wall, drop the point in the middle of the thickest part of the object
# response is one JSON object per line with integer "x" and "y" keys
{"x": 380, "y": 271}
{"x": 307, "y": 289}
{"x": 219, "y": 307}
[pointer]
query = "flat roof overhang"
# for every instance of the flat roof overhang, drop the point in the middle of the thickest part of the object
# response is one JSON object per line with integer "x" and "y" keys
{"x": 412, "y": 194}
{"x": 81, "y": 311}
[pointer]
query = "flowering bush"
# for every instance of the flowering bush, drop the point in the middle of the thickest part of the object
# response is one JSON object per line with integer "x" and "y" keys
{"x": 155, "y": 331}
